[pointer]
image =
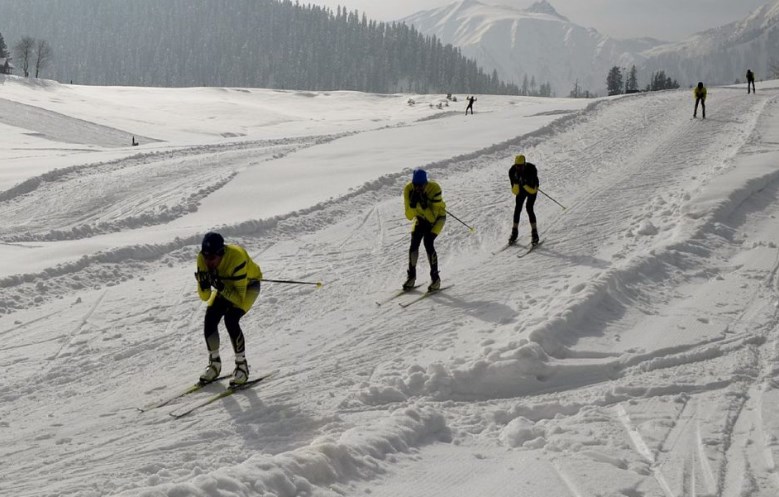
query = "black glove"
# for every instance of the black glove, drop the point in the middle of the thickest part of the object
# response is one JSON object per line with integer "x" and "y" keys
{"x": 423, "y": 201}
{"x": 216, "y": 282}
{"x": 413, "y": 198}
{"x": 203, "y": 279}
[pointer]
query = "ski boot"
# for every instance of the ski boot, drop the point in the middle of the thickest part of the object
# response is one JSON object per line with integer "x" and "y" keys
{"x": 534, "y": 235}
{"x": 241, "y": 373}
{"x": 411, "y": 280}
{"x": 514, "y": 235}
{"x": 435, "y": 284}
{"x": 212, "y": 370}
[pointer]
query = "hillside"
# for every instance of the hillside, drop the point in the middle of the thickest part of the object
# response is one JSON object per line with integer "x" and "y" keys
{"x": 723, "y": 54}
{"x": 633, "y": 354}
{"x": 245, "y": 43}
{"x": 536, "y": 43}
{"x": 539, "y": 43}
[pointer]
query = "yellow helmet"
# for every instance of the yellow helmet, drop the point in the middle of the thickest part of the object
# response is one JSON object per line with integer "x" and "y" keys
{"x": 519, "y": 159}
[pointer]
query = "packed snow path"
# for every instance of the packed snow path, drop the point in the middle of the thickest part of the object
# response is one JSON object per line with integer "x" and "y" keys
{"x": 632, "y": 354}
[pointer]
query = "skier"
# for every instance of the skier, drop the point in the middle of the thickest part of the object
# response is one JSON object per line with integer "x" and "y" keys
{"x": 750, "y": 81}
{"x": 700, "y": 96}
{"x": 236, "y": 279}
{"x": 470, "y": 100}
{"x": 524, "y": 184}
{"x": 425, "y": 205}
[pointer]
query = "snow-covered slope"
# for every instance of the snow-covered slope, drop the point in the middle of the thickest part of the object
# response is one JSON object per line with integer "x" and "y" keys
{"x": 539, "y": 42}
{"x": 633, "y": 354}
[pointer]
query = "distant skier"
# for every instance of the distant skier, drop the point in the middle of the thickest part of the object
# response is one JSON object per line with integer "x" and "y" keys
{"x": 230, "y": 271}
{"x": 750, "y": 81}
{"x": 524, "y": 184}
{"x": 700, "y": 97}
{"x": 425, "y": 206}
{"x": 470, "y": 100}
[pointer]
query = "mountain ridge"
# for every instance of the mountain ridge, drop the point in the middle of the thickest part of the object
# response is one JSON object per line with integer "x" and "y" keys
{"x": 538, "y": 43}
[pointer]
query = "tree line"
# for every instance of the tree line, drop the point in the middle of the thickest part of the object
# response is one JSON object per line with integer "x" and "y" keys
{"x": 249, "y": 43}
{"x": 532, "y": 89}
{"x": 31, "y": 53}
{"x": 620, "y": 81}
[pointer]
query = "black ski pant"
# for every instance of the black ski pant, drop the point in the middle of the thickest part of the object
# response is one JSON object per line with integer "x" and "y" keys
{"x": 470, "y": 107}
{"x": 751, "y": 82}
{"x": 423, "y": 231}
{"x": 531, "y": 200}
{"x": 703, "y": 107}
{"x": 223, "y": 308}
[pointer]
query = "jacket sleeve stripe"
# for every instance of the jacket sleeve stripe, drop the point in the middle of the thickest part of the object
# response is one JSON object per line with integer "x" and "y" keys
{"x": 236, "y": 277}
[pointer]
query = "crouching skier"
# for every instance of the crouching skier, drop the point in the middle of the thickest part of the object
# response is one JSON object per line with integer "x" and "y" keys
{"x": 235, "y": 277}
{"x": 523, "y": 176}
{"x": 425, "y": 206}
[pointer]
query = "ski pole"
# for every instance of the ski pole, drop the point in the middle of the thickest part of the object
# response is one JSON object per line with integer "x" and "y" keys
{"x": 291, "y": 282}
{"x": 461, "y": 221}
{"x": 553, "y": 200}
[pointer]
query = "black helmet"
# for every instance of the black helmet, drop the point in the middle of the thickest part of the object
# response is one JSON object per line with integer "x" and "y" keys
{"x": 213, "y": 244}
{"x": 700, "y": 84}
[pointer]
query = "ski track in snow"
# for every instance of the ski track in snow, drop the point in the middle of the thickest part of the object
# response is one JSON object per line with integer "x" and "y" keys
{"x": 42, "y": 210}
{"x": 583, "y": 361}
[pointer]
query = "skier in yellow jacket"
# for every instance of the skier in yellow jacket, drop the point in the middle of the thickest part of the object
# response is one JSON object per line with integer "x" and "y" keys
{"x": 700, "y": 96}
{"x": 235, "y": 280}
{"x": 425, "y": 206}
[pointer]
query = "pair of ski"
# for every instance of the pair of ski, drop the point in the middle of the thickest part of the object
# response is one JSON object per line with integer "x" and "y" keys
{"x": 189, "y": 408}
{"x": 416, "y": 299}
{"x": 526, "y": 250}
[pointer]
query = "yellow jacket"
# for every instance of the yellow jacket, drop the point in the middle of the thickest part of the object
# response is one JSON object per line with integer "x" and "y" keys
{"x": 699, "y": 93}
{"x": 236, "y": 270}
{"x": 435, "y": 210}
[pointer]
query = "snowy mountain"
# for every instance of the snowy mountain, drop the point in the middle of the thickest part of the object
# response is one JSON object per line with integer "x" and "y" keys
{"x": 536, "y": 42}
{"x": 633, "y": 354}
{"x": 539, "y": 42}
{"x": 722, "y": 55}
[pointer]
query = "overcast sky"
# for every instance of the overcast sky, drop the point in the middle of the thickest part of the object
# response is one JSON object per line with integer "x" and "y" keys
{"x": 663, "y": 19}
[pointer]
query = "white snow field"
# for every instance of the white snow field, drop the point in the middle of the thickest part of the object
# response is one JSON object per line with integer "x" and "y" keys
{"x": 633, "y": 354}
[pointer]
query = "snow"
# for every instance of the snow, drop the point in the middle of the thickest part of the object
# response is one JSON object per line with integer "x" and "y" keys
{"x": 632, "y": 354}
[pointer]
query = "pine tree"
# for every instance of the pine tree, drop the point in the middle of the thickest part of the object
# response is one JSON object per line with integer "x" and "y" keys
{"x": 631, "y": 85}
{"x": 3, "y": 48}
{"x": 614, "y": 81}
{"x": 576, "y": 92}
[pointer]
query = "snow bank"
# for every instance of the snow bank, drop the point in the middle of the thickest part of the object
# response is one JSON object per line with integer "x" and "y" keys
{"x": 324, "y": 468}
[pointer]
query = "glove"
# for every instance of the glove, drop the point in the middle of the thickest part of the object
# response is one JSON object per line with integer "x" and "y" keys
{"x": 423, "y": 201}
{"x": 203, "y": 279}
{"x": 216, "y": 282}
{"x": 413, "y": 198}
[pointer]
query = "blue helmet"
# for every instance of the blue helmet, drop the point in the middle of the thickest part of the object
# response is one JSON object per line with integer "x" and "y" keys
{"x": 213, "y": 244}
{"x": 419, "y": 177}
